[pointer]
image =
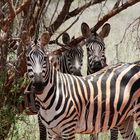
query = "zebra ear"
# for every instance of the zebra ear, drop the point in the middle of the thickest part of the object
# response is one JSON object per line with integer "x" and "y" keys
{"x": 105, "y": 30}
{"x": 65, "y": 38}
{"x": 44, "y": 39}
{"x": 86, "y": 32}
{"x": 25, "y": 38}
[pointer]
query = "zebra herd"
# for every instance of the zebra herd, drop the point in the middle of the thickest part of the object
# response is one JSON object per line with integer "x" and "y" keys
{"x": 70, "y": 104}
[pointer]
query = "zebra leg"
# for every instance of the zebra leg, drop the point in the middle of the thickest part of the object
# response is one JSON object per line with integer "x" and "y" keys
{"x": 94, "y": 137}
{"x": 126, "y": 129}
{"x": 114, "y": 133}
{"x": 42, "y": 130}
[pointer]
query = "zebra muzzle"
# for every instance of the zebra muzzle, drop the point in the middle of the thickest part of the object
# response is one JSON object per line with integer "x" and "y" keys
{"x": 38, "y": 87}
{"x": 38, "y": 83}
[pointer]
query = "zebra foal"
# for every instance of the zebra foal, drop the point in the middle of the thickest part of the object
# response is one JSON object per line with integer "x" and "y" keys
{"x": 95, "y": 103}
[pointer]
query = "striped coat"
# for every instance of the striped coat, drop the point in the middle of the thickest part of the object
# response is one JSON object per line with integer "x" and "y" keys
{"x": 95, "y": 103}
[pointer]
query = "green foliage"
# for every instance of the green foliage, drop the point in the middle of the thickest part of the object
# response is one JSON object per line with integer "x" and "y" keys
{"x": 7, "y": 116}
{"x": 9, "y": 102}
{"x": 25, "y": 128}
{"x": 16, "y": 85}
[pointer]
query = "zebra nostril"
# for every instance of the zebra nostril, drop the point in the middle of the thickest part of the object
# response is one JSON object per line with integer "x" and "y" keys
{"x": 77, "y": 73}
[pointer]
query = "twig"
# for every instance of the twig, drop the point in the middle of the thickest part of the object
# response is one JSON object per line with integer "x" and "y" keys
{"x": 102, "y": 6}
{"x": 127, "y": 30}
{"x": 106, "y": 17}
{"x": 13, "y": 13}
{"x": 45, "y": 11}
{"x": 113, "y": 12}
{"x": 61, "y": 17}
{"x": 85, "y": 6}
{"x": 116, "y": 5}
{"x": 67, "y": 30}
{"x": 54, "y": 11}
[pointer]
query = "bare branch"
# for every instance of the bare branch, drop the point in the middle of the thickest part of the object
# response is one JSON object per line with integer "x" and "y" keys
{"x": 101, "y": 9}
{"x": 61, "y": 17}
{"x": 11, "y": 8}
{"x": 13, "y": 13}
{"x": 137, "y": 20}
{"x": 37, "y": 18}
{"x": 105, "y": 18}
{"x": 85, "y": 6}
{"x": 54, "y": 11}
{"x": 114, "y": 12}
{"x": 65, "y": 14}
{"x": 56, "y": 40}
{"x": 23, "y": 5}
{"x": 46, "y": 8}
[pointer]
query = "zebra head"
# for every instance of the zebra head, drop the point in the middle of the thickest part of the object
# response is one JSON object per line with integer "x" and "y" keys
{"x": 73, "y": 57}
{"x": 36, "y": 60}
{"x": 96, "y": 59}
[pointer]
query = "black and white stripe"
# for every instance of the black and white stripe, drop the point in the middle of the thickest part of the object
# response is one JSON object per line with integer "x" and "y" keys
{"x": 71, "y": 61}
{"x": 96, "y": 58}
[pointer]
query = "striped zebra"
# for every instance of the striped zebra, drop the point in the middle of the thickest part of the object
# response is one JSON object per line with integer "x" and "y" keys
{"x": 96, "y": 59}
{"x": 95, "y": 45}
{"x": 70, "y": 61}
{"x": 96, "y": 56}
{"x": 95, "y": 103}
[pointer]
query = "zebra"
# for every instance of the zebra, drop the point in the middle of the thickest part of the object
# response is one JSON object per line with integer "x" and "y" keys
{"x": 95, "y": 46}
{"x": 70, "y": 61}
{"x": 96, "y": 59}
{"x": 95, "y": 103}
{"x": 96, "y": 55}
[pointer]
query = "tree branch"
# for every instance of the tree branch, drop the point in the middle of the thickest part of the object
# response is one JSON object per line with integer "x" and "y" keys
{"x": 54, "y": 11}
{"x": 13, "y": 13}
{"x": 56, "y": 40}
{"x": 65, "y": 14}
{"x": 105, "y": 18}
{"x": 61, "y": 17}
{"x": 116, "y": 5}
{"x": 73, "y": 13}
{"x": 76, "y": 11}
{"x": 114, "y": 12}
